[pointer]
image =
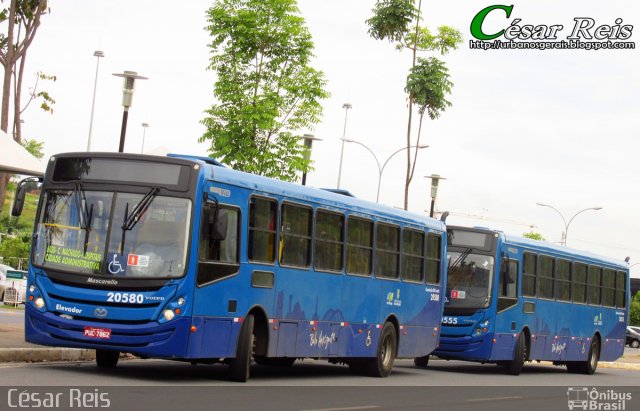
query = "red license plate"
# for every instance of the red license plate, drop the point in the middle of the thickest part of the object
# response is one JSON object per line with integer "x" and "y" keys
{"x": 94, "y": 332}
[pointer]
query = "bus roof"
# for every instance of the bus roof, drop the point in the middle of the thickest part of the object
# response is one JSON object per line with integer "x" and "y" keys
{"x": 546, "y": 247}
{"x": 308, "y": 194}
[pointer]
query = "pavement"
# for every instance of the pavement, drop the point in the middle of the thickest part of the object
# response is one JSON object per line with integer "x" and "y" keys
{"x": 13, "y": 347}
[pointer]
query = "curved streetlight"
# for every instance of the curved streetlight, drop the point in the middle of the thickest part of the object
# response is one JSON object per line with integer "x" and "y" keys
{"x": 144, "y": 133}
{"x": 566, "y": 225}
{"x": 346, "y": 107}
{"x": 98, "y": 54}
{"x": 381, "y": 168}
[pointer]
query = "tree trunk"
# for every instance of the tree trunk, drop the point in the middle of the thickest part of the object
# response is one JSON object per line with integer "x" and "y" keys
{"x": 409, "y": 175}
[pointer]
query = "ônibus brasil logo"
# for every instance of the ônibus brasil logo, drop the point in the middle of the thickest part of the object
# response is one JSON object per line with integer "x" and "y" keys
{"x": 586, "y": 33}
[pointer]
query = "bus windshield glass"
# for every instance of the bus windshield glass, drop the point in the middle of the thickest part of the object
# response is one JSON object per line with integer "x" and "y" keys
{"x": 113, "y": 234}
{"x": 469, "y": 279}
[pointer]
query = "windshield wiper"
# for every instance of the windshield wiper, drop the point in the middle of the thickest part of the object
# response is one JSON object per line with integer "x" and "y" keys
{"x": 130, "y": 220}
{"x": 85, "y": 213}
{"x": 463, "y": 256}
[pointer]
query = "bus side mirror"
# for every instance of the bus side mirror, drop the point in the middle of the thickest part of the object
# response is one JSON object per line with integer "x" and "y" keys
{"x": 18, "y": 201}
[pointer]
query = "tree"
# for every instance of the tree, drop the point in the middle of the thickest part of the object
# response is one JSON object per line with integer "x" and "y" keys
{"x": 34, "y": 147}
{"x": 634, "y": 310}
{"x": 17, "y": 247}
{"x": 267, "y": 92}
{"x": 428, "y": 81}
{"x": 22, "y": 19}
{"x": 534, "y": 236}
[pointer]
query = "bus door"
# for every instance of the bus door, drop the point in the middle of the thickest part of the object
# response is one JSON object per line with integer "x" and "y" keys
{"x": 508, "y": 321}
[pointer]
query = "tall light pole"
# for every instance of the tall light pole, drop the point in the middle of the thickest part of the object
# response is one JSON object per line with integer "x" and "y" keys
{"x": 127, "y": 99}
{"x": 435, "y": 179}
{"x": 346, "y": 107}
{"x": 308, "y": 143}
{"x": 381, "y": 168}
{"x": 144, "y": 133}
{"x": 97, "y": 54}
{"x": 567, "y": 224}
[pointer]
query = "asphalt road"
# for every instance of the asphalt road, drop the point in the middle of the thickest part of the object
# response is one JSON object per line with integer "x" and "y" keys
{"x": 317, "y": 385}
{"x": 308, "y": 385}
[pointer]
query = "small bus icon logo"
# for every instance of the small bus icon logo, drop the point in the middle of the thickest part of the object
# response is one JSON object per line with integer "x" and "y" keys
{"x": 577, "y": 397}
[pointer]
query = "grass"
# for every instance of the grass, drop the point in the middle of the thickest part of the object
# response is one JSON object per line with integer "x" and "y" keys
{"x": 26, "y": 220}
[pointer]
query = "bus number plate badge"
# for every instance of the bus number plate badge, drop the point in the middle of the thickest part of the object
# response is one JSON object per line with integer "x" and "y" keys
{"x": 94, "y": 332}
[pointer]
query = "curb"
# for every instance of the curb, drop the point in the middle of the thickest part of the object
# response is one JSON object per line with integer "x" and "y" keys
{"x": 45, "y": 354}
{"x": 620, "y": 365}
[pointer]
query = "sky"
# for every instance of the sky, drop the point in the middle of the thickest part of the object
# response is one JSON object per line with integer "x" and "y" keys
{"x": 558, "y": 127}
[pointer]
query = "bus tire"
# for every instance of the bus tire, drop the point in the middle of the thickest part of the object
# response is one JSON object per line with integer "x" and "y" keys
{"x": 381, "y": 365}
{"x": 107, "y": 358}
{"x": 588, "y": 367}
{"x": 239, "y": 366}
{"x": 514, "y": 366}
{"x": 421, "y": 362}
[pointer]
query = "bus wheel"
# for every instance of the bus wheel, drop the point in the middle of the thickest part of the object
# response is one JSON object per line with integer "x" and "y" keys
{"x": 239, "y": 366}
{"x": 514, "y": 366}
{"x": 588, "y": 367}
{"x": 381, "y": 365}
{"x": 107, "y": 358}
{"x": 421, "y": 362}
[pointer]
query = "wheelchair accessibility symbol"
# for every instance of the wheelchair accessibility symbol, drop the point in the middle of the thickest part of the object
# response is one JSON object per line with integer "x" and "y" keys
{"x": 115, "y": 267}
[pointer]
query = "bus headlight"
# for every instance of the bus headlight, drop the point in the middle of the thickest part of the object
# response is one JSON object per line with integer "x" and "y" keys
{"x": 169, "y": 314}
{"x": 481, "y": 329}
{"x": 173, "y": 309}
{"x": 39, "y": 302}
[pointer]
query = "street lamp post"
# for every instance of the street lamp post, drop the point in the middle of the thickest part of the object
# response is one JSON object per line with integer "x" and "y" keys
{"x": 127, "y": 98}
{"x": 144, "y": 133}
{"x": 435, "y": 179}
{"x": 308, "y": 143}
{"x": 346, "y": 107}
{"x": 563, "y": 238}
{"x": 381, "y": 168}
{"x": 97, "y": 54}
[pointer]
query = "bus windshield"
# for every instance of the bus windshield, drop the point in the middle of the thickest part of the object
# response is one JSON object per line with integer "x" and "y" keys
{"x": 113, "y": 234}
{"x": 469, "y": 279}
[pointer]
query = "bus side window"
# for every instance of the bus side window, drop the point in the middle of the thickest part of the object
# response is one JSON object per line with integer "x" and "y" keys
{"x": 218, "y": 251}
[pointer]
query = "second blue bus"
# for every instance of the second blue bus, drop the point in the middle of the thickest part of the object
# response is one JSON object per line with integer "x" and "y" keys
{"x": 510, "y": 300}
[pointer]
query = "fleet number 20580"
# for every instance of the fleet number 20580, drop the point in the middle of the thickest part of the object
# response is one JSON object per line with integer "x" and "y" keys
{"x": 130, "y": 298}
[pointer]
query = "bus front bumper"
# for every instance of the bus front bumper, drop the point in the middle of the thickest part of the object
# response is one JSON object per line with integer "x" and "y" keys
{"x": 150, "y": 339}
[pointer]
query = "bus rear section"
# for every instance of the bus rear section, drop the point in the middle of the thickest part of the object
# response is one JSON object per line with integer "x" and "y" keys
{"x": 512, "y": 300}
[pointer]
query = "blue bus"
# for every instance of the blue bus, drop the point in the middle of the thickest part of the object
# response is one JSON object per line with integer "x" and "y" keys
{"x": 511, "y": 300}
{"x": 181, "y": 258}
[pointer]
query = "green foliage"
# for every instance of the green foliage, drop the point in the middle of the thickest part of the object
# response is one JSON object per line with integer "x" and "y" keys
{"x": 428, "y": 84}
{"x": 17, "y": 247}
{"x": 428, "y": 79}
{"x": 634, "y": 310}
{"x": 392, "y": 19}
{"x": 267, "y": 93}
{"x": 446, "y": 40}
{"x": 534, "y": 236}
{"x": 22, "y": 225}
{"x": 47, "y": 101}
{"x": 34, "y": 147}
